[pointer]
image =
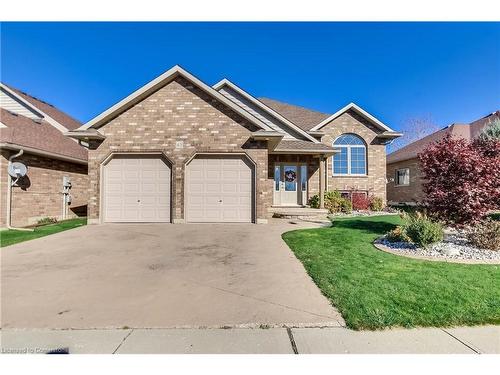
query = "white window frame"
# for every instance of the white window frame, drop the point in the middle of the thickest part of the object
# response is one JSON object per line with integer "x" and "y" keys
{"x": 349, "y": 147}
{"x": 396, "y": 179}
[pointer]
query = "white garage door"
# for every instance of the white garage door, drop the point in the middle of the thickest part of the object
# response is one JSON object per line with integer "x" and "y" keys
{"x": 136, "y": 189}
{"x": 219, "y": 189}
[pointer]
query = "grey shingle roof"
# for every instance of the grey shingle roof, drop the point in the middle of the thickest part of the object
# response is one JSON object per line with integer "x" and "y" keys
{"x": 304, "y": 118}
{"x": 296, "y": 145}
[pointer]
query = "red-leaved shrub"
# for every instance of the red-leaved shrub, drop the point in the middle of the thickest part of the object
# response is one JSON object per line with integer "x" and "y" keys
{"x": 462, "y": 179}
{"x": 360, "y": 201}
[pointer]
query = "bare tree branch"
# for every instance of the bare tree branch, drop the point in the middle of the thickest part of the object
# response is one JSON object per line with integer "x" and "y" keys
{"x": 414, "y": 128}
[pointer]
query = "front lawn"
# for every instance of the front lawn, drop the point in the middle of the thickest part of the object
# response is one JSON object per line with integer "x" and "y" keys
{"x": 10, "y": 237}
{"x": 373, "y": 289}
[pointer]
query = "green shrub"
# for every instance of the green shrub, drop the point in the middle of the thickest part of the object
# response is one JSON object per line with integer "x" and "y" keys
{"x": 376, "y": 203}
{"x": 346, "y": 206}
{"x": 398, "y": 234}
{"x": 485, "y": 235}
{"x": 47, "y": 220}
{"x": 314, "y": 201}
{"x": 333, "y": 202}
{"x": 422, "y": 231}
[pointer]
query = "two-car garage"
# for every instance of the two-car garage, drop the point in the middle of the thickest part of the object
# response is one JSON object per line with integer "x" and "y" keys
{"x": 138, "y": 188}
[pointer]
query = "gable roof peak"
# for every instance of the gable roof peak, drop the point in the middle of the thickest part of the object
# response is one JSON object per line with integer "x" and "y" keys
{"x": 158, "y": 83}
{"x": 359, "y": 110}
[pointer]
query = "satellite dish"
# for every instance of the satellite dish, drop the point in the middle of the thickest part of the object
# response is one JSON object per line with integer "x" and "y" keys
{"x": 17, "y": 169}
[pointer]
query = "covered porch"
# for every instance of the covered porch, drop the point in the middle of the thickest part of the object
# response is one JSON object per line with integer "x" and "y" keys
{"x": 298, "y": 171}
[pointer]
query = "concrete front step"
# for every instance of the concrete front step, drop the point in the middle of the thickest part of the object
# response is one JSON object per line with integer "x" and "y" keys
{"x": 298, "y": 212}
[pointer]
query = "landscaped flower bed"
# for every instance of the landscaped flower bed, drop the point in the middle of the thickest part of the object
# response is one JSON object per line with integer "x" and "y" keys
{"x": 448, "y": 243}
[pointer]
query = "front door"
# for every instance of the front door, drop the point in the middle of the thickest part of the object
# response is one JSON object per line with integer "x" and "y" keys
{"x": 290, "y": 184}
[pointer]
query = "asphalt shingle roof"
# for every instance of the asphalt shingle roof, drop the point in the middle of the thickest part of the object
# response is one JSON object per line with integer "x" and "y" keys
{"x": 289, "y": 145}
{"x": 304, "y": 118}
{"x": 23, "y": 131}
{"x": 64, "y": 119}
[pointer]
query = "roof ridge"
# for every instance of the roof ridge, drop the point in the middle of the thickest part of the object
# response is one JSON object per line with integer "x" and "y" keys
{"x": 294, "y": 105}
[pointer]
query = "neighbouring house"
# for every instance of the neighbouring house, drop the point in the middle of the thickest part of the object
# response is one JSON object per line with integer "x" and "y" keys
{"x": 405, "y": 181}
{"x": 34, "y": 130}
{"x": 178, "y": 150}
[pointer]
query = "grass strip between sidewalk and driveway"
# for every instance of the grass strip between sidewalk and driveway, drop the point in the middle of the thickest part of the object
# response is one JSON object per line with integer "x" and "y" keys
{"x": 373, "y": 289}
{"x": 10, "y": 237}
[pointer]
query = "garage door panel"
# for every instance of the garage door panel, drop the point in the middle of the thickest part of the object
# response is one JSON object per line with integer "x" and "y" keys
{"x": 219, "y": 189}
{"x": 130, "y": 174}
{"x": 212, "y": 175}
{"x": 148, "y": 187}
{"x": 210, "y": 200}
{"x": 137, "y": 189}
{"x": 230, "y": 187}
{"x": 245, "y": 188}
{"x": 231, "y": 201}
{"x": 211, "y": 187}
{"x": 148, "y": 175}
{"x": 231, "y": 175}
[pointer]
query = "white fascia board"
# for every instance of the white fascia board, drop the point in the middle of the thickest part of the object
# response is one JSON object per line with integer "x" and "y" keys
{"x": 258, "y": 103}
{"x": 45, "y": 116}
{"x": 157, "y": 83}
{"x": 358, "y": 109}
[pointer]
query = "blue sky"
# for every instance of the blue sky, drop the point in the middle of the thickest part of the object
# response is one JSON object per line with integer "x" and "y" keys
{"x": 447, "y": 71}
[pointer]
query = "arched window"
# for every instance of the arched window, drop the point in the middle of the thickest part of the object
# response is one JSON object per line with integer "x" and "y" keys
{"x": 351, "y": 158}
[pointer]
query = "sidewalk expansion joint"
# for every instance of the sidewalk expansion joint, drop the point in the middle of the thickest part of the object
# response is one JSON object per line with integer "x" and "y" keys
{"x": 121, "y": 343}
{"x": 292, "y": 340}
{"x": 460, "y": 341}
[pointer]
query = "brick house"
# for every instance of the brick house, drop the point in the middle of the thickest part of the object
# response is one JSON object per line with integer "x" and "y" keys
{"x": 178, "y": 150}
{"x": 403, "y": 169}
{"x": 33, "y": 130}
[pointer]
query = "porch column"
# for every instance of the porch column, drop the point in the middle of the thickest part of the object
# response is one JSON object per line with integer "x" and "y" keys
{"x": 321, "y": 181}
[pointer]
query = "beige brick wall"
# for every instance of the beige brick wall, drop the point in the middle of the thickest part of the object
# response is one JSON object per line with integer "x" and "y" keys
{"x": 180, "y": 112}
{"x": 375, "y": 180}
{"x": 40, "y": 193}
{"x": 405, "y": 194}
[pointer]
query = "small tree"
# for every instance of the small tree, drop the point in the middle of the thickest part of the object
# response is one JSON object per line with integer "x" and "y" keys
{"x": 462, "y": 178}
{"x": 491, "y": 131}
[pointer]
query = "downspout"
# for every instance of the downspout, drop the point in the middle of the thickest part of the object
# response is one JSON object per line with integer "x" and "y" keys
{"x": 9, "y": 195}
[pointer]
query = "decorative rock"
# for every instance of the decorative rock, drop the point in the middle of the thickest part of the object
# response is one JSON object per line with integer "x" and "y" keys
{"x": 453, "y": 247}
{"x": 451, "y": 251}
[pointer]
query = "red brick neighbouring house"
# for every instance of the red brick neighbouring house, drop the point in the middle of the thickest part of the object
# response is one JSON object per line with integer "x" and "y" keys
{"x": 178, "y": 150}
{"x": 403, "y": 169}
{"x": 36, "y": 128}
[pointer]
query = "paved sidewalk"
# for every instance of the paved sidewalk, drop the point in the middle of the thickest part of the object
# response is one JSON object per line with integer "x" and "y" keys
{"x": 467, "y": 340}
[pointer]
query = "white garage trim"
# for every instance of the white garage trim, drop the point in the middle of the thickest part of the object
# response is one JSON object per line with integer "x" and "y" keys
{"x": 222, "y": 154}
{"x": 138, "y": 154}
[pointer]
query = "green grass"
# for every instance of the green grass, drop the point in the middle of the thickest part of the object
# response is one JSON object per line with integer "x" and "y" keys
{"x": 10, "y": 237}
{"x": 373, "y": 289}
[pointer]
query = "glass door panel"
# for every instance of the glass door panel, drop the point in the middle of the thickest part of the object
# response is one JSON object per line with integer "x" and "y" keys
{"x": 290, "y": 175}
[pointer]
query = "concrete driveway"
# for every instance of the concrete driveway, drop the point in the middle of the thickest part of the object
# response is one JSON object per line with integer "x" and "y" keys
{"x": 160, "y": 276}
